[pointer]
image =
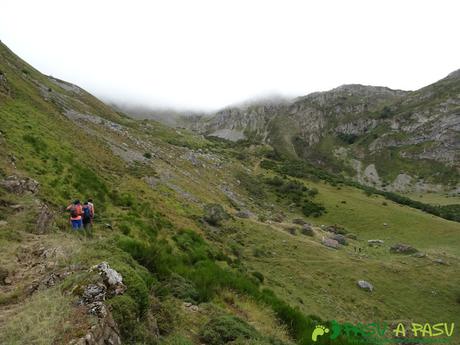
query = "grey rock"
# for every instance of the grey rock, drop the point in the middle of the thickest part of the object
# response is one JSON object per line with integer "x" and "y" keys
{"x": 307, "y": 230}
{"x": 331, "y": 243}
{"x": 440, "y": 261}
{"x": 400, "y": 248}
{"x": 375, "y": 242}
{"x": 365, "y": 285}
{"x": 339, "y": 238}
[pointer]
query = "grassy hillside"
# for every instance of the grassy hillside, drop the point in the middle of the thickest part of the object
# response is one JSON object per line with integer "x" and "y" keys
{"x": 248, "y": 277}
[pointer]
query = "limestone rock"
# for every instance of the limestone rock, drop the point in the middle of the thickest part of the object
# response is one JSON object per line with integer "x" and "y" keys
{"x": 365, "y": 285}
{"x": 331, "y": 243}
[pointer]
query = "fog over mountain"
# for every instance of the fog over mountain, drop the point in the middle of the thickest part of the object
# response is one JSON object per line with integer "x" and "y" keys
{"x": 206, "y": 55}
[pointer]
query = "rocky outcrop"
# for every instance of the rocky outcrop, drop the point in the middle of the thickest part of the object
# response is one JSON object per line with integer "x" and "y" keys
{"x": 105, "y": 331}
{"x": 18, "y": 185}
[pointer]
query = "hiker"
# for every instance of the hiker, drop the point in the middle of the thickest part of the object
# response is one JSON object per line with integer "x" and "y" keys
{"x": 91, "y": 205}
{"x": 76, "y": 212}
{"x": 87, "y": 215}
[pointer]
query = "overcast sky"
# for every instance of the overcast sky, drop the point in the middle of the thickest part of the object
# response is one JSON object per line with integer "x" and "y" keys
{"x": 208, "y": 54}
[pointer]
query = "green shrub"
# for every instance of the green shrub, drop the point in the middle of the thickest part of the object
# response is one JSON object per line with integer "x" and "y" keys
{"x": 214, "y": 214}
{"x": 310, "y": 208}
{"x": 179, "y": 287}
{"x": 224, "y": 329}
{"x": 124, "y": 311}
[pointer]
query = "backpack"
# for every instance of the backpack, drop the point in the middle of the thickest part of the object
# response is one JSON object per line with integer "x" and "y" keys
{"x": 74, "y": 211}
{"x": 87, "y": 212}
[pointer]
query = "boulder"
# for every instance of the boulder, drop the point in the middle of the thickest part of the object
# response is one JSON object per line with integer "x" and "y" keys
{"x": 400, "y": 248}
{"x": 331, "y": 243}
{"x": 375, "y": 242}
{"x": 215, "y": 214}
{"x": 307, "y": 230}
{"x": 111, "y": 278}
{"x": 365, "y": 285}
{"x": 440, "y": 261}
{"x": 339, "y": 238}
{"x": 17, "y": 185}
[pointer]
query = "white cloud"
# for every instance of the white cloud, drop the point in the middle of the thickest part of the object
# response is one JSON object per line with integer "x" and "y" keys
{"x": 205, "y": 54}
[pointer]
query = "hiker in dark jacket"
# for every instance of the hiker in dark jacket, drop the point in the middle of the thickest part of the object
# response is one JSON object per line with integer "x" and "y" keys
{"x": 87, "y": 215}
{"x": 76, "y": 212}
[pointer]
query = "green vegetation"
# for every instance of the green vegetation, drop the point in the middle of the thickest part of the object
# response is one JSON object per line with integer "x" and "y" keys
{"x": 303, "y": 169}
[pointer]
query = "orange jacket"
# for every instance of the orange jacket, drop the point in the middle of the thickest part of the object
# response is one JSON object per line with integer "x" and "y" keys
{"x": 79, "y": 210}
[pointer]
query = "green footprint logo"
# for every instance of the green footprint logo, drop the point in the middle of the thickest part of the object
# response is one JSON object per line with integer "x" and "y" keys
{"x": 319, "y": 330}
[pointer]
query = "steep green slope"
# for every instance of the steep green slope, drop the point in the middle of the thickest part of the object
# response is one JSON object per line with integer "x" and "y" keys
{"x": 251, "y": 277}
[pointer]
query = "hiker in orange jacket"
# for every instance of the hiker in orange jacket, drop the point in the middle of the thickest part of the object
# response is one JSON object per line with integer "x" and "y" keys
{"x": 76, "y": 212}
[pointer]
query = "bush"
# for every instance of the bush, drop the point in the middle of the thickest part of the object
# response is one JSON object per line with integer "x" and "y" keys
{"x": 148, "y": 155}
{"x": 124, "y": 311}
{"x": 224, "y": 329}
{"x": 310, "y": 208}
{"x": 214, "y": 214}
{"x": 179, "y": 287}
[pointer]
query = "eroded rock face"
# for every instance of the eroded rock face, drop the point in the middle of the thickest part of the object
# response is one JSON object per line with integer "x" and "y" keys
{"x": 17, "y": 185}
{"x": 106, "y": 330}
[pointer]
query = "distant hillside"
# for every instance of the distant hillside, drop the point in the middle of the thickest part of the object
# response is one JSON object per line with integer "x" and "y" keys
{"x": 390, "y": 139}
